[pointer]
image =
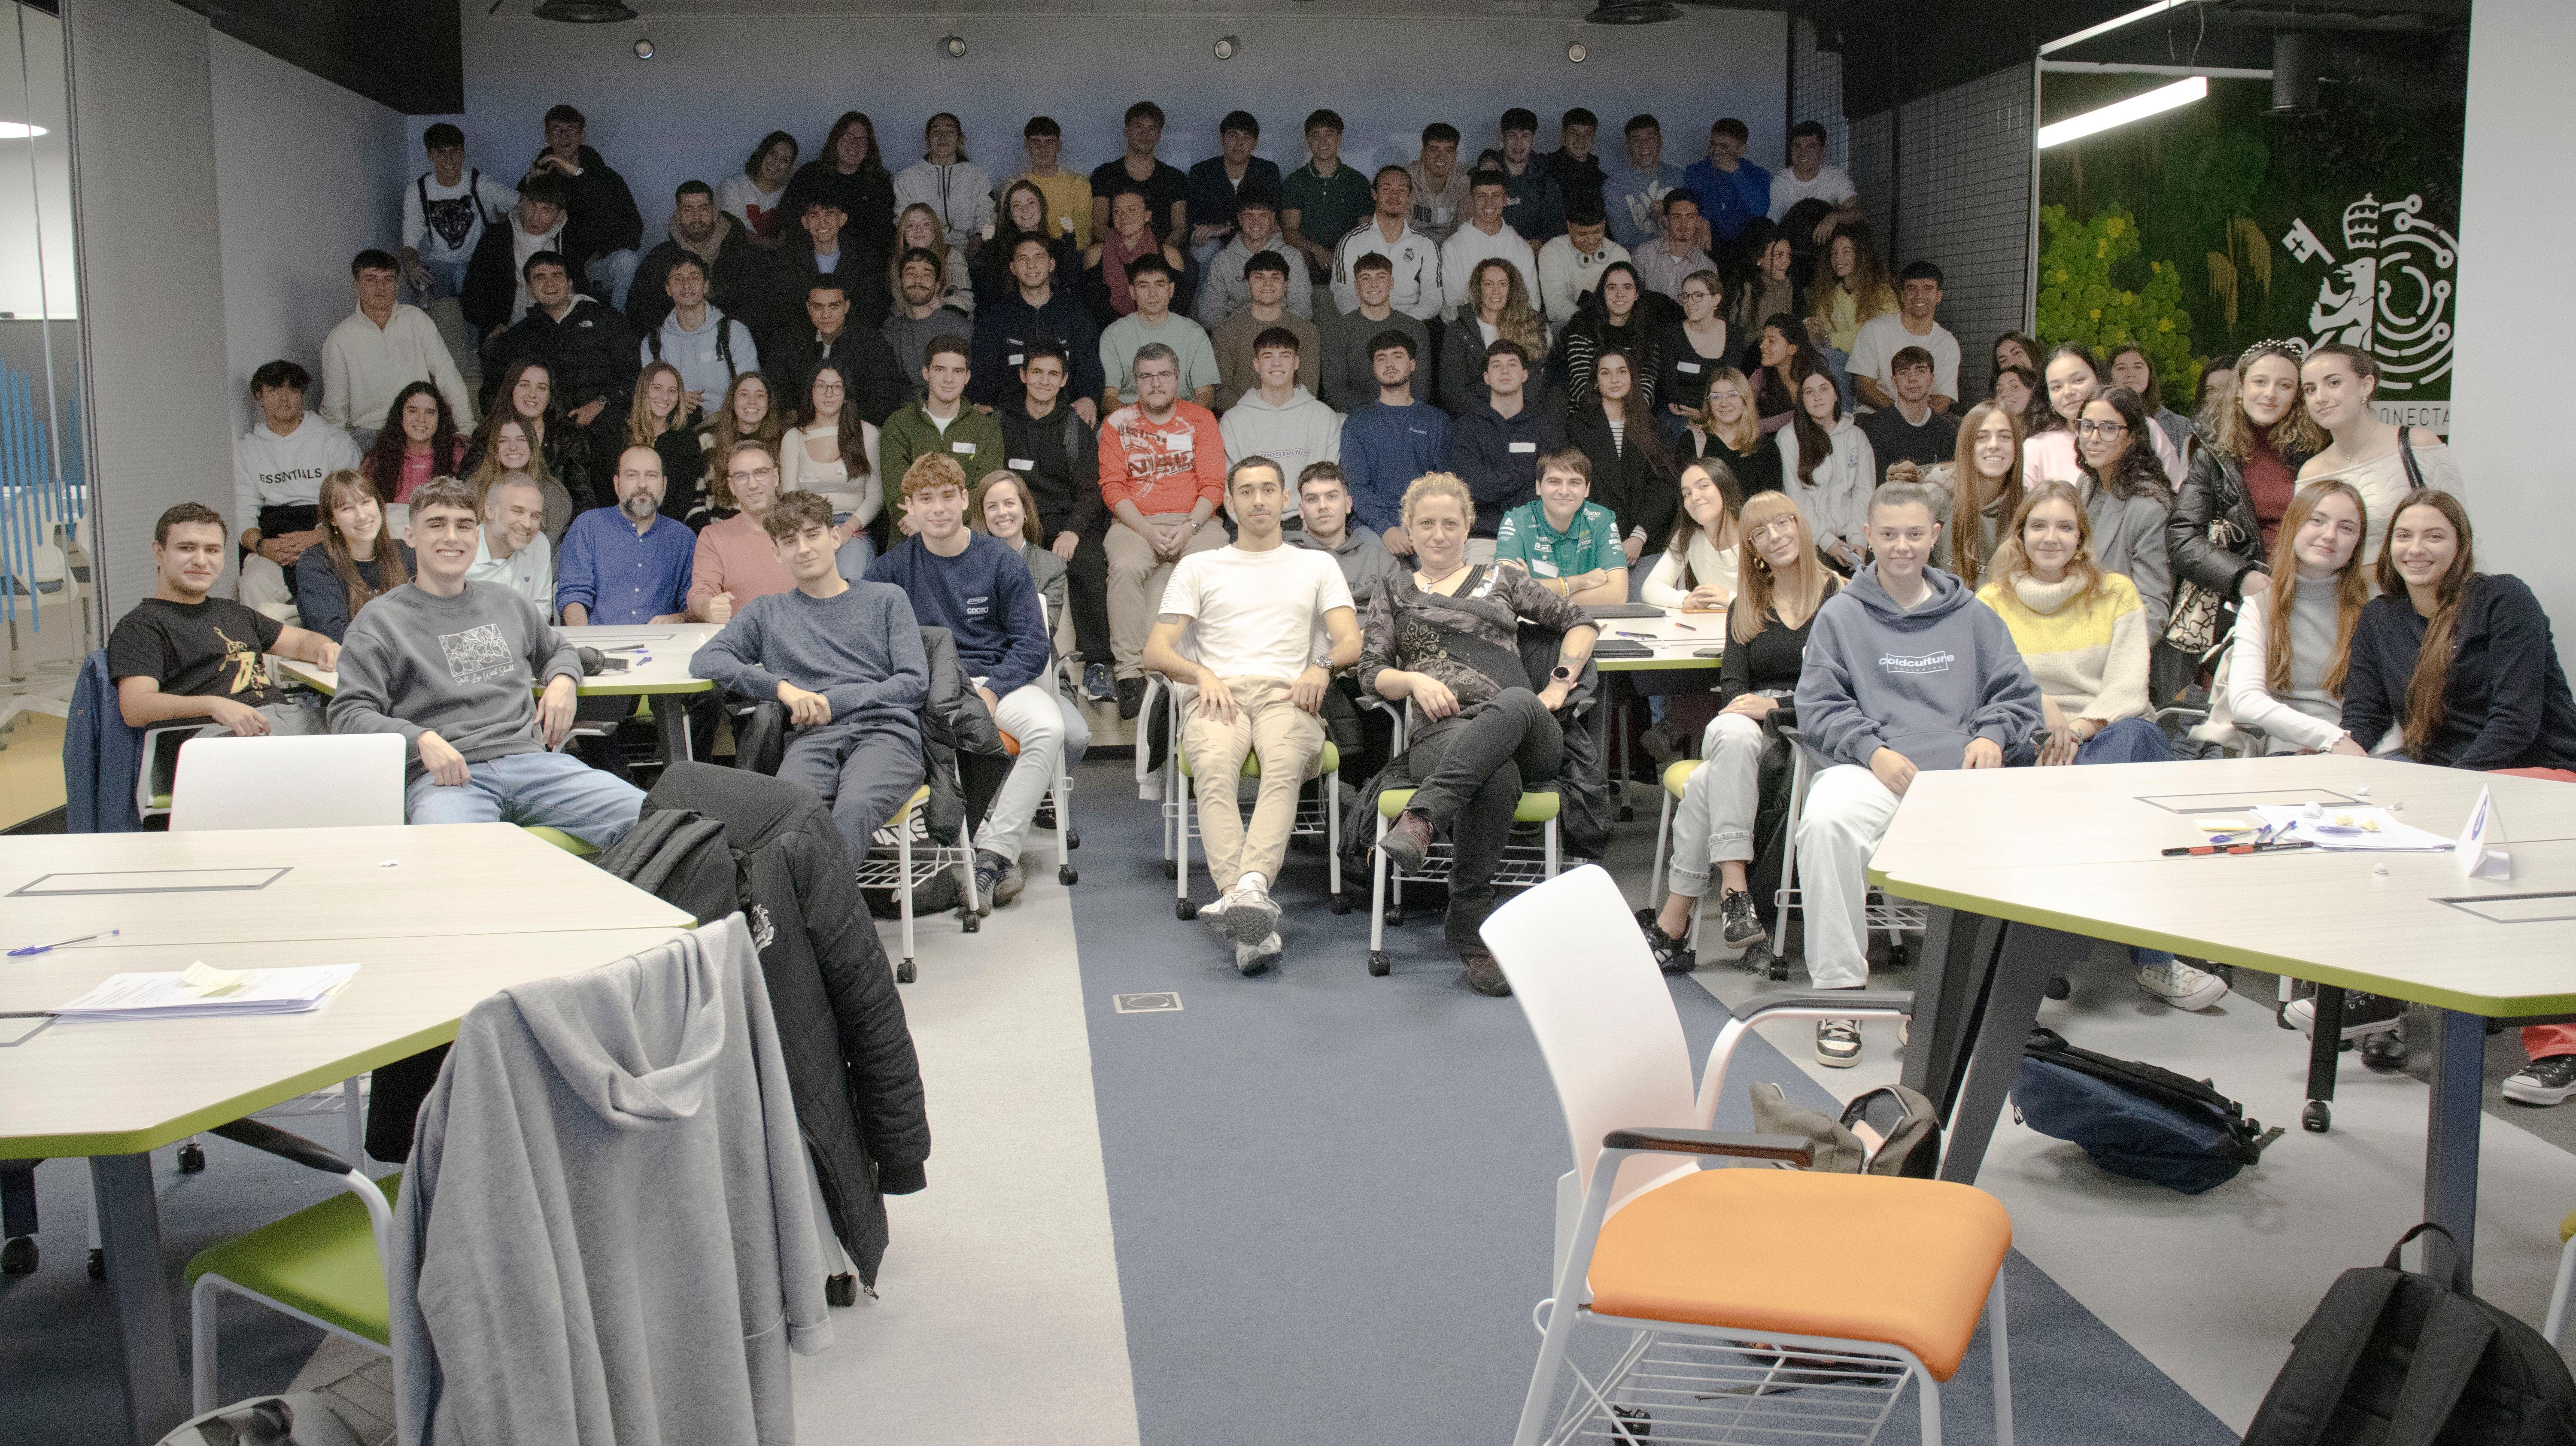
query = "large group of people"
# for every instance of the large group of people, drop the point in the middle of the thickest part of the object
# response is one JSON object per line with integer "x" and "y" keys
{"x": 1252, "y": 431}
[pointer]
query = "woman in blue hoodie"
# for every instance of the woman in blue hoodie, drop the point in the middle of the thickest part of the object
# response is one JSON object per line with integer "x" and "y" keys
{"x": 1905, "y": 670}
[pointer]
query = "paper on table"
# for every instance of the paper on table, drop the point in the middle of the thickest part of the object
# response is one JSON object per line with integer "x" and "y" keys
{"x": 2356, "y": 827}
{"x": 202, "y": 990}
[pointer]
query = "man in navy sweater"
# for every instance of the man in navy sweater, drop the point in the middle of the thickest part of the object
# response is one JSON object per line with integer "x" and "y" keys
{"x": 846, "y": 659}
{"x": 1495, "y": 448}
{"x": 978, "y": 589}
{"x": 1391, "y": 441}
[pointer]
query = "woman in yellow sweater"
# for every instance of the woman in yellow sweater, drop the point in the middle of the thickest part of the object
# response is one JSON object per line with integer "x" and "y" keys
{"x": 2084, "y": 635}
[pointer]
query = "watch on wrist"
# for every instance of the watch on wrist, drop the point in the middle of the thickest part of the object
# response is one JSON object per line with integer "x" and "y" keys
{"x": 1324, "y": 661}
{"x": 1562, "y": 674}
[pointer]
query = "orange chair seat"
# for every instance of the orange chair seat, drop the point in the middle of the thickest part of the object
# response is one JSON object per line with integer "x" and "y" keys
{"x": 1859, "y": 1257}
{"x": 1010, "y": 745}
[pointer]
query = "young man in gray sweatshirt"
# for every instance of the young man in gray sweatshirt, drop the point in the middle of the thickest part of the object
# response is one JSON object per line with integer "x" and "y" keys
{"x": 1905, "y": 670}
{"x": 451, "y": 666}
{"x": 846, "y": 659}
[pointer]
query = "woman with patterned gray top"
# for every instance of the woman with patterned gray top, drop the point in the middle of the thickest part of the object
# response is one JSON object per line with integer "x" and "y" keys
{"x": 1450, "y": 642}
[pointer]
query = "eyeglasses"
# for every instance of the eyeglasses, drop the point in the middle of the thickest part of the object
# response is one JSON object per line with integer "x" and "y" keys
{"x": 755, "y": 475}
{"x": 1775, "y": 527}
{"x": 2101, "y": 429}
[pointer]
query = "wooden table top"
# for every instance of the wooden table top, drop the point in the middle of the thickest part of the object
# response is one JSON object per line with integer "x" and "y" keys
{"x": 1675, "y": 637}
{"x": 2078, "y": 849}
{"x": 669, "y": 645}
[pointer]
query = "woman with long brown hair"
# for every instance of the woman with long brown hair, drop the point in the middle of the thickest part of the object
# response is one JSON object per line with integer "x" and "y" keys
{"x": 2381, "y": 460}
{"x": 513, "y": 454}
{"x": 1850, "y": 287}
{"x": 749, "y": 414}
{"x": 1701, "y": 564}
{"x": 2285, "y": 674}
{"x": 1982, "y": 479}
{"x": 1783, "y": 583}
{"x": 2127, "y": 497}
{"x": 660, "y": 418}
{"x": 419, "y": 441}
{"x": 2232, "y": 506}
{"x": 1829, "y": 470}
{"x": 835, "y": 453}
{"x": 356, "y": 563}
{"x": 1495, "y": 305}
{"x": 528, "y": 394}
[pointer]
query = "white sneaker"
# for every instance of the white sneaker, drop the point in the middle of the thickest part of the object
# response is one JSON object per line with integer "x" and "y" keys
{"x": 1247, "y": 916}
{"x": 1838, "y": 1043}
{"x": 1256, "y": 958}
{"x": 2180, "y": 985}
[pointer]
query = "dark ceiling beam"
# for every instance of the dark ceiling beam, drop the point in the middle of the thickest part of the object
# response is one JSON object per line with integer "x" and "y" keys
{"x": 408, "y": 55}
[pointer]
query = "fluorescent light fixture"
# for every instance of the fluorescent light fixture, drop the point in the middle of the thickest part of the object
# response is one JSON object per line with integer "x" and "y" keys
{"x": 19, "y": 131}
{"x": 2107, "y": 26}
{"x": 2120, "y": 113}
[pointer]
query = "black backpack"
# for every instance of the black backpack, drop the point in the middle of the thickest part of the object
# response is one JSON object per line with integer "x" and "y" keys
{"x": 2134, "y": 1118}
{"x": 2394, "y": 1358}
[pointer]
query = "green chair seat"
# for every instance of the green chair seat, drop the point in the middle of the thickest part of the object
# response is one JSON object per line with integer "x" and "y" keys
{"x": 1677, "y": 775}
{"x": 321, "y": 1260}
{"x": 1330, "y": 761}
{"x": 577, "y": 847}
{"x": 1532, "y": 808}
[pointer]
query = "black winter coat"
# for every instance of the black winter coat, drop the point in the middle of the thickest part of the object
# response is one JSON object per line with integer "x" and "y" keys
{"x": 841, "y": 1027}
{"x": 1638, "y": 488}
{"x": 492, "y": 279}
{"x": 591, "y": 354}
{"x": 602, "y": 216}
{"x": 733, "y": 282}
{"x": 2214, "y": 487}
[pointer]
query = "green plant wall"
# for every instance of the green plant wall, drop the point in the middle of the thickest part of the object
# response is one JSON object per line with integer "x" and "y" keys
{"x": 2218, "y": 224}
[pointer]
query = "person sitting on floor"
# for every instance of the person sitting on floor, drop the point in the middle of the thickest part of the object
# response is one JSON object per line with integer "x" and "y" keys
{"x": 978, "y": 589}
{"x": 1905, "y": 670}
{"x": 356, "y": 563}
{"x": 2455, "y": 667}
{"x": 1785, "y": 582}
{"x": 2083, "y": 634}
{"x": 452, "y": 666}
{"x": 1567, "y": 542}
{"x": 854, "y": 725}
{"x": 1251, "y": 612}
{"x": 182, "y": 654}
{"x": 1449, "y": 641}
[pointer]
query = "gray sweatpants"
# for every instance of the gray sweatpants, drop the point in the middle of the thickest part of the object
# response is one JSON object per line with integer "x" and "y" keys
{"x": 864, "y": 771}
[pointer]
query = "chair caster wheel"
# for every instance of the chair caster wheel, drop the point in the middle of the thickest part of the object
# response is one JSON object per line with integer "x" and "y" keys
{"x": 1899, "y": 955}
{"x": 841, "y": 1289}
{"x": 972, "y": 923}
{"x": 1379, "y": 965}
{"x": 1627, "y": 813}
{"x": 1068, "y": 876}
{"x": 2317, "y": 1118}
{"x": 18, "y": 1257}
{"x": 1171, "y": 869}
{"x": 98, "y": 1265}
{"x": 2058, "y": 988}
{"x": 1779, "y": 969}
{"x": 1185, "y": 910}
{"x": 1073, "y": 839}
{"x": 1341, "y": 905}
{"x": 904, "y": 973}
{"x": 1395, "y": 918}
{"x": 192, "y": 1158}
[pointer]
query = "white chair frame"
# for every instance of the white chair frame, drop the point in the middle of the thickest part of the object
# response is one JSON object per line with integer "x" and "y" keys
{"x": 1521, "y": 866}
{"x": 1318, "y": 817}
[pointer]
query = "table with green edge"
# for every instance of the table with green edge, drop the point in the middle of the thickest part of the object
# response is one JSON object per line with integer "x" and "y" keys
{"x": 2025, "y": 867}
{"x": 437, "y": 919}
{"x": 658, "y": 662}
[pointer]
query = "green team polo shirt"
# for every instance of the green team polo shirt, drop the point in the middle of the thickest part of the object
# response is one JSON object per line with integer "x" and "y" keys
{"x": 1590, "y": 544}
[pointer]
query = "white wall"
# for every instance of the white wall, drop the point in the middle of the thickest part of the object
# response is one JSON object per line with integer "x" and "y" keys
{"x": 718, "y": 83}
{"x": 2508, "y": 448}
{"x": 151, "y": 268}
{"x": 307, "y": 175}
{"x": 37, "y": 278}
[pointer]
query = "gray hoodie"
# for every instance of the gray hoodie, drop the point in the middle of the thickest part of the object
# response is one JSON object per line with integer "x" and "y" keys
{"x": 461, "y": 667}
{"x": 1365, "y": 562}
{"x": 1300, "y": 432}
{"x": 1924, "y": 682}
{"x": 620, "y": 1249}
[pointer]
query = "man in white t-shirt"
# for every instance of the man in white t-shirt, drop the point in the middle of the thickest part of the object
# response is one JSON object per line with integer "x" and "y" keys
{"x": 1918, "y": 295}
{"x": 1249, "y": 614}
{"x": 1808, "y": 177}
{"x": 1484, "y": 234}
{"x": 444, "y": 212}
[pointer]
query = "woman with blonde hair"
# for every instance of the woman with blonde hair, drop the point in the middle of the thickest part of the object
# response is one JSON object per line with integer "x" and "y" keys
{"x": 356, "y": 563}
{"x": 1850, "y": 287}
{"x": 1449, "y": 641}
{"x": 1728, "y": 430}
{"x": 2285, "y": 674}
{"x": 1784, "y": 583}
{"x": 2083, "y": 633}
{"x": 662, "y": 419}
{"x": 1983, "y": 483}
{"x": 1496, "y": 306}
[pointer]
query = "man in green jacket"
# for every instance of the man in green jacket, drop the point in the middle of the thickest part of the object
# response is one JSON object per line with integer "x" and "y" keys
{"x": 942, "y": 422}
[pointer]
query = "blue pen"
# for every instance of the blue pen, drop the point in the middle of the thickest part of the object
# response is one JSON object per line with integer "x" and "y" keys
{"x": 44, "y": 948}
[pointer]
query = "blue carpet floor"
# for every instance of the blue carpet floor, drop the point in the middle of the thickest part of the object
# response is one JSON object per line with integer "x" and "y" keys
{"x": 1334, "y": 1194}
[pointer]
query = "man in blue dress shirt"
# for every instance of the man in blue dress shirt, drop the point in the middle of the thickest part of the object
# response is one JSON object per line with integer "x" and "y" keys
{"x": 630, "y": 564}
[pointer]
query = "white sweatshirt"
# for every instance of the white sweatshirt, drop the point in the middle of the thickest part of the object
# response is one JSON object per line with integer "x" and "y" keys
{"x": 1418, "y": 289}
{"x": 270, "y": 470}
{"x": 365, "y": 365}
{"x": 960, "y": 193}
{"x": 1301, "y": 432}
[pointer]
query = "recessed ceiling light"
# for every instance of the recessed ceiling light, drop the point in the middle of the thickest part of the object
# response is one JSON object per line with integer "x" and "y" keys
{"x": 644, "y": 47}
{"x": 1226, "y": 46}
{"x": 19, "y": 131}
{"x": 953, "y": 46}
{"x": 1578, "y": 52}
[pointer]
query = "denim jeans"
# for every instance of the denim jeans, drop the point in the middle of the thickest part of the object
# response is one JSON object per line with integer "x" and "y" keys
{"x": 855, "y": 555}
{"x": 608, "y": 277}
{"x": 533, "y": 789}
{"x": 446, "y": 278}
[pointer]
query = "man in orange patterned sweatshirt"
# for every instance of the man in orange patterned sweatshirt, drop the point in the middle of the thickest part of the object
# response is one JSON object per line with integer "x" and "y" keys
{"x": 1162, "y": 472}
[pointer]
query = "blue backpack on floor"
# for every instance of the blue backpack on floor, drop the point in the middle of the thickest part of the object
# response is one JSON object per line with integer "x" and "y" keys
{"x": 2135, "y": 1119}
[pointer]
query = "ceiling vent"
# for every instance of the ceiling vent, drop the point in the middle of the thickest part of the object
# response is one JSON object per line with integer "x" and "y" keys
{"x": 585, "y": 12}
{"x": 1634, "y": 12}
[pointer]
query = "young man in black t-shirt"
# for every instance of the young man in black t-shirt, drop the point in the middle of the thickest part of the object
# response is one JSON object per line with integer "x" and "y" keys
{"x": 1910, "y": 431}
{"x": 181, "y": 654}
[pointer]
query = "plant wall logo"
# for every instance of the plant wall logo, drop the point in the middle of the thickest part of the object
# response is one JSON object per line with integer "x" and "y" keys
{"x": 2390, "y": 295}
